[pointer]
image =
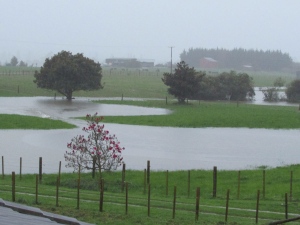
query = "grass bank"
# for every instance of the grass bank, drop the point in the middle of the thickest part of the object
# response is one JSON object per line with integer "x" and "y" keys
{"x": 211, "y": 114}
{"x": 242, "y": 203}
{"x": 31, "y": 122}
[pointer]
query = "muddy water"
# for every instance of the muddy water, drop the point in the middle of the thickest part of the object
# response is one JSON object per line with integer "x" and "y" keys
{"x": 166, "y": 148}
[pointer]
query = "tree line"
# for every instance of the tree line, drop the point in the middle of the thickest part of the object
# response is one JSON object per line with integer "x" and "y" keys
{"x": 236, "y": 58}
{"x": 187, "y": 83}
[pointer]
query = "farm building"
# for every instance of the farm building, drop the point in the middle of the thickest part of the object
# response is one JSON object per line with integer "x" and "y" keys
{"x": 129, "y": 62}
{"x": 207, "y": 62}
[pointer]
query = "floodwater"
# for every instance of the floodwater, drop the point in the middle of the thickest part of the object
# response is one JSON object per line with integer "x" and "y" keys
{"x": 166, "y": 148}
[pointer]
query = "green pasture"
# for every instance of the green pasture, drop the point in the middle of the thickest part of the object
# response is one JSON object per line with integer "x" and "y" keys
{"x": 211, "y": 114}
{"x": 242, "y": 203}
{"x": 130, "y": 83}
{"x": 31, "y": 122}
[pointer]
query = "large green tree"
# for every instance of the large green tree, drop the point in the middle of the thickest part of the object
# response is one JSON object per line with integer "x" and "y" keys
{"x": 184, "y": 83}
{"x": 67, "y": 73}
{"x": 293, "y": 91}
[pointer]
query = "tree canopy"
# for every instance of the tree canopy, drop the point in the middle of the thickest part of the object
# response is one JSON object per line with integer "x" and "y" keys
{"x": 67, "y": 73}
{"x": 236, "y": 58}
{"x": 184, "y": 83}
{"x": 293, "y": 91}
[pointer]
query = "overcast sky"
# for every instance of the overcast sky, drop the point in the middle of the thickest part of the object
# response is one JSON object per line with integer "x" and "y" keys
{"x": 34, "y": 29}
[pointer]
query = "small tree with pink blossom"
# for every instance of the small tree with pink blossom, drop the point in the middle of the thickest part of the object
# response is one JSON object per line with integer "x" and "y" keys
{"x": 98, "y": 150}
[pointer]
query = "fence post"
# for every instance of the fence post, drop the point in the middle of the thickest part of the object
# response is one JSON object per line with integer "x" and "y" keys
{"x": 20, "y": 168}
{"x": 291, "y": 186}
{"x": 40, "y": 169}
{"x": 36, "y": 188}
{"x": 149, "y": 199}
{"x": 59, "y": 171}
{"x": 239, "y": 182}
{"x": 264, "y": 183}
{"x": 148, "y": 172}
{"x": 226, "y": 213}
{"x": 189, "y": 182}
{"x": 2, "y": 167}
{"x": 167, "y": 183}
{"x": 101, "y": 195}
{"x": 13, "y": 186}
{"x": 174, "y": 202}
{"x": 257, "y": 204}
{"x": 286, "y": 206}
{"x": 126, "y": 200}
{"x": 215, "y": 182}
{"x": 78, "y": 187}
{"x": 197, "y": 202}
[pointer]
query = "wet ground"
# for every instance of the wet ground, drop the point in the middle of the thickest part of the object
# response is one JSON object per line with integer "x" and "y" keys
{"x": 166, "y": 148}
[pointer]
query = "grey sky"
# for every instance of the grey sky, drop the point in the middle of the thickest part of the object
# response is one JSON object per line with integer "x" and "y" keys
{"x": 35, "y": 29}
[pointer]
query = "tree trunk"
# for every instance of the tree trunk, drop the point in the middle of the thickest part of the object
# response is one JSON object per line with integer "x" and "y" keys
{"x": 69, "y": 95}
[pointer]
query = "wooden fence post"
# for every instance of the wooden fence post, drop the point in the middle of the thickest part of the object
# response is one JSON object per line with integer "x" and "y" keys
{"x": 239, "y": 182}
{"x": 189, "y": 182}
{"x": 215, "y": 182}
{"x": 149, "y": 186}
{"x": 13, "y": 186}
{"x": 286, "y": 206}
{"x": 2, "y": 167}
{"x": 40, "y": 169}
{"x": 148, "y": 172}
{"x": 20, "y": 168}
{"x": 197, "y": 202}
{"x": 264, "y": 183}
{"x": 291, "y": 186}
{"x": 101, "y": 195}
{"x": 174, "y": 202}
{"x": 36, "y": 188}
{"x": 227, "y": 200}
{"x": 59, "y": 171}
{"x": 257, "y": 204}
{"x": 167, "y": 183}
{"x": 78, "y": 188}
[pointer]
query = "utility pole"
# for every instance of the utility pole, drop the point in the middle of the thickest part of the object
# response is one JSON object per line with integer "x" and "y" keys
{"x": 171, "y": 56}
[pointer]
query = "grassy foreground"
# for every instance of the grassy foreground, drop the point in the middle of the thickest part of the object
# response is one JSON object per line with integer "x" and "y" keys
{"x": 212, "y": 210}
{"x": 211, "y": 114}
{"x": 31, "y": 122}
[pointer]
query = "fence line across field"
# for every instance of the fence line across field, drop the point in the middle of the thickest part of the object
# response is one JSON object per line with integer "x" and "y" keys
{"x": 147, "y": 185}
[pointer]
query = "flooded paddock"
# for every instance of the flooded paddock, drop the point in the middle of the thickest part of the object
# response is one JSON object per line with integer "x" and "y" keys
{"x": 167, "y": 148}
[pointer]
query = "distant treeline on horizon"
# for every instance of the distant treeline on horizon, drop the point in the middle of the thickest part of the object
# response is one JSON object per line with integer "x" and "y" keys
{"x": 239, "y": 58}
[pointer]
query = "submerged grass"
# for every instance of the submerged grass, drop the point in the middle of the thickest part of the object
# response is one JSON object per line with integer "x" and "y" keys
{"x": 211, "y": 114}
{"x": 31, "y": 122}
{"x": 212, "y": 210}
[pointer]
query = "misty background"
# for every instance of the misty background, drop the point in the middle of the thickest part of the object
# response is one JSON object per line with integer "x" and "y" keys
{"x": 34, "y": 30}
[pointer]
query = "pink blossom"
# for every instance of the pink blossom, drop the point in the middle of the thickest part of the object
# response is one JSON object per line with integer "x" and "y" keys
{"x": 95, "y": 148}
{"x": 92, "y": 152}
{"x": 115, "y": 156}
{"x": 101, "y": 117}
{"x": 107, "y": 131}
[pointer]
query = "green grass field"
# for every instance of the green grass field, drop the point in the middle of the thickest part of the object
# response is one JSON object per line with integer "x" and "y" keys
{"x": 211, "y": 114}
{"x": 130, "y": 83}
{"x": 31, "y": 122}
{"x": 212, "y": 209}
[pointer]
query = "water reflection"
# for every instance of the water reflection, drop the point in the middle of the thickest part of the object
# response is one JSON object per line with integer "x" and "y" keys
{"x": 166, "y": 148}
